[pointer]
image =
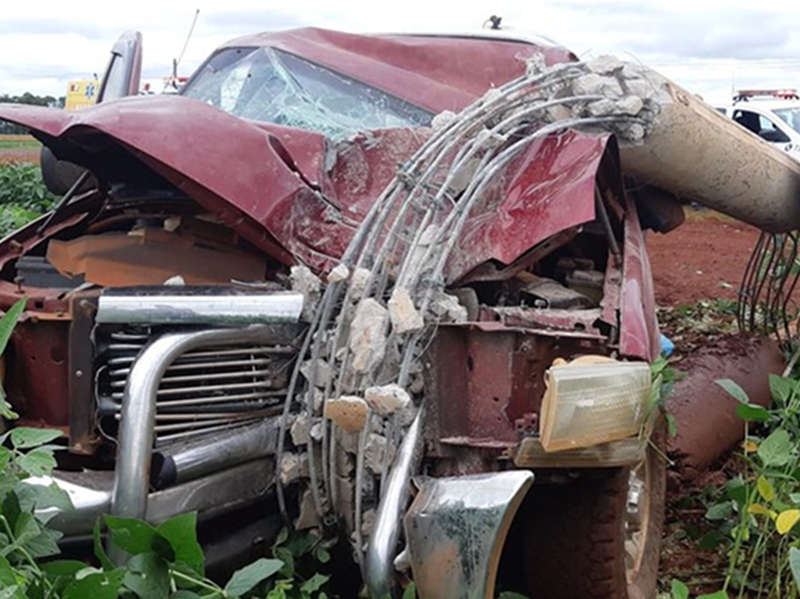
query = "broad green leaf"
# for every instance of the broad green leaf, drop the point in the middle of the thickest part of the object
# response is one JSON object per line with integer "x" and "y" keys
{"x": 12, "y": 592}
{"x": 63, "y": 567}
{"x": 315, "y": 583}
{"x": 11, "y": 509}
{"x": 679, "y": 590}
{"x": 765, "y": 488}
{"x": 137, "y": 536}
{"x": 7, "y": 576}
{"x": 322, "y": 555}
{"x": 37, "y": 462}
{"x": 411, "y": 592}
{"x": 781, "y": 388}
{"x": 53, "y": 496}
{"x": 147, "y": 576}
{"x": 776, "y": 449}
{"x": 245, "y": 579}
{"x": 184, "y": 594}
{"x": 285, "y": 555}
{"x": 99, "y": 550}
{"x": 734, "y": 390}
{"x": 24, "y": 437}
{"x": 9, "y": 321}
{"x": 45, "y": 544}
{"x": 786, "y": 521}
{"x": 720, "y": 511}
{"x": 736, "y": 490}
{"x": 503, "y": 595}
{"x": 794, "y": 564}
{"x": 181, "y": 533}
{"x": 102, "y": 585}
{"x": 5, "y": 458}
{"x": 752, "y": 412}
{"x": 61, "y": 573}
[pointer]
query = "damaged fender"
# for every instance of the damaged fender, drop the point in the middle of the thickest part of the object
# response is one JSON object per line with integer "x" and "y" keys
{"x": 456, "y": 529}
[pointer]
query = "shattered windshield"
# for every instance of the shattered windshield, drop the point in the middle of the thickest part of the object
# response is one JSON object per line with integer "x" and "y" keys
{"x": 265, "y": 84}
{"x": 790, "y": 116}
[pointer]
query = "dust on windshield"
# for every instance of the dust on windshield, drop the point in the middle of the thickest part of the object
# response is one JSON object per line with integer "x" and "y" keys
{"x": 265, "y": 84}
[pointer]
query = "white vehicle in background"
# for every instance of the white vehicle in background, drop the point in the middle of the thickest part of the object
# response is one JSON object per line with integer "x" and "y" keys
{"x": 772, "y": 114}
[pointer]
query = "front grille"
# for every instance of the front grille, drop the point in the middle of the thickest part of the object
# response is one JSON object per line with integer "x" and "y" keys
{"x": 201, "y": 392}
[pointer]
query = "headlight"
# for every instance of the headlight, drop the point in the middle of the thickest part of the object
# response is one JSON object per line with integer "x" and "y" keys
{"x": 593, "y": 400}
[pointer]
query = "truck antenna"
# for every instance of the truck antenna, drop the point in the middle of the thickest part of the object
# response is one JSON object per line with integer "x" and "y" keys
{"x": 177, "y": 61}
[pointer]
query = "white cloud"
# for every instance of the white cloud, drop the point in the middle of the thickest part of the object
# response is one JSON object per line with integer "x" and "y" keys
{"x": 46, "y": 43}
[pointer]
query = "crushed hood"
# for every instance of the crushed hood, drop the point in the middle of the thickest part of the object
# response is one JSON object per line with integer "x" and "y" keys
{"x": 300, "y": 196}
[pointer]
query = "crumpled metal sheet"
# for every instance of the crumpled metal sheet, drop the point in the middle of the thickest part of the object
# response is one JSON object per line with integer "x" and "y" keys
{"x": 300, "y": 198}
{"x": 456, "y": 528}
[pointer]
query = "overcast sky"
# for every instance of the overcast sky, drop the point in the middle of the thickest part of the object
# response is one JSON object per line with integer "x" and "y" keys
{"x": 709, "y": 47}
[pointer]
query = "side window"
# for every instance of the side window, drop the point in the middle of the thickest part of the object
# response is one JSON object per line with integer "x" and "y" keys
{"x": 760, "y": 125}
{"x": 768, "y": 131}
{"x": 748, "y": 120}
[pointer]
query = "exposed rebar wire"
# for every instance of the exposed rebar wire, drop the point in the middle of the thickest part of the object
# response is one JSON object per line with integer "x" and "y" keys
{"x": 766, "y": 303}
{"x": 406, "y": 241}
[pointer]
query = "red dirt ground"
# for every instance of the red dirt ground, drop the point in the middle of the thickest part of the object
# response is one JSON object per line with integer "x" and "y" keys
{"x": 19, "y": 155}
{"x": 704, "y": 258}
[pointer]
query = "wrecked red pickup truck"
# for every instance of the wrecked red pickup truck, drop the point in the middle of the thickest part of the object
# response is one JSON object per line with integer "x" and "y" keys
{"x": 338, "y": 273}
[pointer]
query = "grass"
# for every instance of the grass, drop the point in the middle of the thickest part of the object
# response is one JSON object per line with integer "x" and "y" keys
{"x": 13, "y": 142}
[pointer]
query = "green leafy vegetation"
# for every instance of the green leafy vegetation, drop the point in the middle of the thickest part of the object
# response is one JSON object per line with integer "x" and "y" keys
{"x": 755, "y": 515}
{"x": 23, "y": 196}
{"x": 160, "y": 562}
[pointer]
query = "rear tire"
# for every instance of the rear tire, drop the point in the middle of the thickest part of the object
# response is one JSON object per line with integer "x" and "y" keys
{"x": 592, "y": 538}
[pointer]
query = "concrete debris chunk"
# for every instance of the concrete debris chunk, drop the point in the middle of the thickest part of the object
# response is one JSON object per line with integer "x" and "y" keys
{"x": 368, "y": 523}
{"x": 307, "y": 283}
{"x": 308, "y": 517}
{"x": 358, "y": 283}
{"x": 630, "y": 105}
{"x": 387, "y": 400}
{"x": 293, "y": 467}
{"x": 448, "y": 308}
{"x": 318, "y": 376}
{"x": 535, "y": 64}
{"x": 375, "y": 452}
{"x": 602, "y": 107}
{"x": 593, "y": 84}
{"x": 348, "y": 412}
{"x": 348, "y": 441}
{"x": 633, "y": 132}
{"x": 367, "y": 340}
{"x": 414, "y": 263}
{"x": 301, "y": 430}
{"x": 316, "y": 397}
{"x": 402, "y": 312}
{"x": 605, "y": 65}
{"x": 340, "y": 273}
{"x": 442, "y": 120}
{"x": 316, "y": 431}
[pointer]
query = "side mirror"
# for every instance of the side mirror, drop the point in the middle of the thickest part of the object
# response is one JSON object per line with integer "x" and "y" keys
{"x": 121, "y": 78}
{"x": 124, "y": 71}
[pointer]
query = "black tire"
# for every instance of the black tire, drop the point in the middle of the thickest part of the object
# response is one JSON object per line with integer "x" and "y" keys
{"x": 575, "y": 543}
